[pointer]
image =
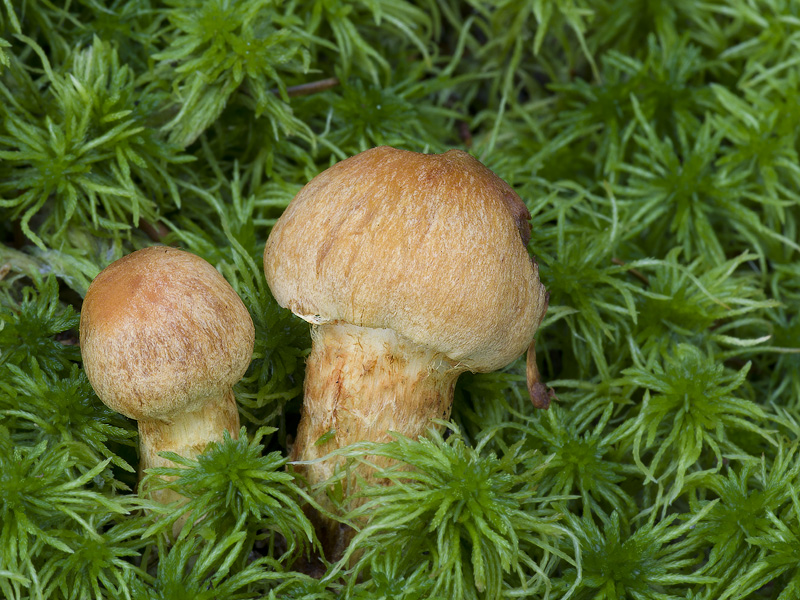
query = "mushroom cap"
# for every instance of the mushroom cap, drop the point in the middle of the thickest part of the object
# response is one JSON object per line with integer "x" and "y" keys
{"x": 162, "y": 333}
{"x": 433, "y": 247}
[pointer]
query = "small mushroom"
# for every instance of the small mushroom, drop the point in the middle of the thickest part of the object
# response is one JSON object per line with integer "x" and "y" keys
{"x": 164, "y": 338}
{"x": 412, "y": 268}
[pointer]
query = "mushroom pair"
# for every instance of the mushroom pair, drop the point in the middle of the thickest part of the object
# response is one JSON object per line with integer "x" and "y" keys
{"x": 412, "y": 269}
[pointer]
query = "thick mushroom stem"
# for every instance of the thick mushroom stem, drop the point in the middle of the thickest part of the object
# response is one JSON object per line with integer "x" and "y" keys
{"x": 361, "y": 383}
{"x": 186, "y": 434}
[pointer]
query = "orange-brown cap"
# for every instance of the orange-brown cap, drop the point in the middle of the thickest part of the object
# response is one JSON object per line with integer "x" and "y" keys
{"x": 162, "y": 333}
{"x": 433, "y": 247}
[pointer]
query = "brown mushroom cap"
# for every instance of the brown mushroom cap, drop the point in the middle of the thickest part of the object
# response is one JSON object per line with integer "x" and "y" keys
{"x": 430, "y": 246}
{"x": 162, "y": 332}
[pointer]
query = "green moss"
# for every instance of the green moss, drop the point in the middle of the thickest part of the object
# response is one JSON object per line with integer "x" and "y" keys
{"x": 655, "y": 145}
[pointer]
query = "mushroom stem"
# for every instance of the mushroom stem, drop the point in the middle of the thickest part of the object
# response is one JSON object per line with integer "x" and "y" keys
{"x": 361, "y": 383}
{"x": 186, "y": 434}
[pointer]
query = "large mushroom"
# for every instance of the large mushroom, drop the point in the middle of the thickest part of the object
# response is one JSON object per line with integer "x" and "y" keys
{"x": 412, "y": 268}
{"x": 164, "y": 338}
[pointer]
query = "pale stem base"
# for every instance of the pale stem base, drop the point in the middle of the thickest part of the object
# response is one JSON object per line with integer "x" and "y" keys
{"x": 186, "y": 434}
{"x": 361, "y": 383}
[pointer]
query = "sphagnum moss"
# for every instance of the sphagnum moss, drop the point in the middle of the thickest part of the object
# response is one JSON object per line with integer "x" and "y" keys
{"x": 655, "y": 145}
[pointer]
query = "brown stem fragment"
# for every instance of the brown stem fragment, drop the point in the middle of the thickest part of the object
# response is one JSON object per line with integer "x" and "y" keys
{"x": 312, "y": 87}
{"x": 155, "y": 230}
{"x": 635, "y": 272}
{"x": 541, "y": 395}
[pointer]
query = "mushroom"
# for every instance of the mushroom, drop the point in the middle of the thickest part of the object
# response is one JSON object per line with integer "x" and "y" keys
{"x": 413, "y": 269}
{"x": 164, "y": 338}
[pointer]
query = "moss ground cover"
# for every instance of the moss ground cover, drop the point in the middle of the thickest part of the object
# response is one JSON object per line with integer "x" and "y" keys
{"x": 656, "y": 147}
